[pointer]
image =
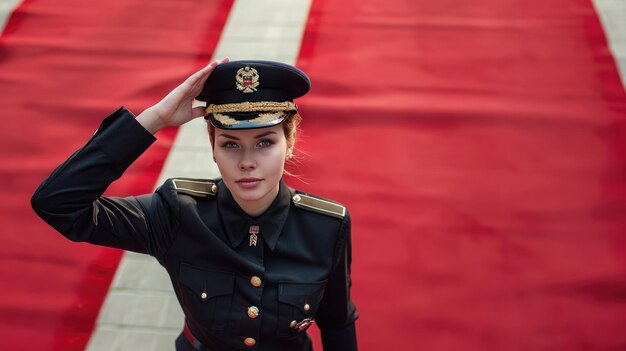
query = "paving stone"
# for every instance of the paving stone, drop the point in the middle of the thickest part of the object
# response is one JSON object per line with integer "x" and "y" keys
{"x": 147, "y": 310}
{"x": 141, "y": 274}
{"x": 172, "y": 316}
{"x": 137, "y": 256}
{"x": 105, "y": 340}
{"x": 138, "y": 340}
{"x": 117, "y": 308}
{"x": 165, "y": 342}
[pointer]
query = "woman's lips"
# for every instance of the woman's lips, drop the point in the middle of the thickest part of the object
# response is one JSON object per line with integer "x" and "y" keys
{"x": 248, "y": 183}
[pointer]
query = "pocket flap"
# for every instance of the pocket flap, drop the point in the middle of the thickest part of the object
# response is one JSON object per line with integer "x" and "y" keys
{"x": 299, "y": 294}
{"x": 211, "y": 283}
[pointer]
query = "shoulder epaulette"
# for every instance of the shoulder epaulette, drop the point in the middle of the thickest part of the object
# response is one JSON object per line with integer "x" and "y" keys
{"x": 195, "y": 187}
{"x": 318, "y": 205}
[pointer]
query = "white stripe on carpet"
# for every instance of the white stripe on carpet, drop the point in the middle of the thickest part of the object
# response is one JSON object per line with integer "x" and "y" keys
{"x": 612, "y": 14}
{"x": 6, "y": 8}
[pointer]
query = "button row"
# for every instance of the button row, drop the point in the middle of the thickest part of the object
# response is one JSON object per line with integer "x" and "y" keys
{"x": 253, "y": 311}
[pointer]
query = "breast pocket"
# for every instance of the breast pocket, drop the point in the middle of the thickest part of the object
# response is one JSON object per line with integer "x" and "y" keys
{"x": 207, "y": 295}
{"x": 297, "y": 306}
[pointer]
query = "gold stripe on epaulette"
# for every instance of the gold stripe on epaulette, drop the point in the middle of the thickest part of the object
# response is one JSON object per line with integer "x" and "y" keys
{"x": 319, "y": 205}
{"x": 195, "y": 187}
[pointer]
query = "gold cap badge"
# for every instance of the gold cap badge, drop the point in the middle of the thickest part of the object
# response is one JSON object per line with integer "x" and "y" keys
{"x": 247, "y": 79}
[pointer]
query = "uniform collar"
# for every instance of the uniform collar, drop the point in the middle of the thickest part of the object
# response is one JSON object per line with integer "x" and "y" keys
{"x": 237, "y": 222}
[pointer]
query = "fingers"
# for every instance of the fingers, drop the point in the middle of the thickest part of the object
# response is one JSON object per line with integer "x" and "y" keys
{"x": 197, "y": 79}
{"x": 211, "y": 66}
{"x": 204, "y": 72}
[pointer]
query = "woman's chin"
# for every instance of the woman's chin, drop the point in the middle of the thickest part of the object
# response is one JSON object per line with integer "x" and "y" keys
{"x": 248, "y": 193}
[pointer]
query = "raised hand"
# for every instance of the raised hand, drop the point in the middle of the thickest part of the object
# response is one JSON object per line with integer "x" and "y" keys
{"x": 176, "y": 107}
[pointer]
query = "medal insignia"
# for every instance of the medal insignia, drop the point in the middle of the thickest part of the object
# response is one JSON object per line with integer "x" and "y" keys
{"x": 254, "y": 230}
{"x": 303, "y": 325}
{"x": 247, "y": 79}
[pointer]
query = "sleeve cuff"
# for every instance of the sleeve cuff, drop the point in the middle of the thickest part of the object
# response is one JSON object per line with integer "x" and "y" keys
{"x": 122, "y": 138}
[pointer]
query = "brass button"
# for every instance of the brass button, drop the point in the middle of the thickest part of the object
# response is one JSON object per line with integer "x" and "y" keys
{"x": 203, "y": 296}
{"x": 214, "y": 189}
{"x": 249, "y": 341}
{"x": 307, "y": 307}
{"x": 256, "y": 281}
{"x": 293, "y": 324}
{"x": 253, "y": 311}
{"x": 296, "y": 198}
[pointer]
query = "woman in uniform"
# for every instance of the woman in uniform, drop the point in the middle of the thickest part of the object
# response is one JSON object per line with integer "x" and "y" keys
{"x": 253, "y": 262}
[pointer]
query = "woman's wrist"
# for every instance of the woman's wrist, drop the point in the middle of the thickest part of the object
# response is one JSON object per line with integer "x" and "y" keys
{"x": 150, "y": 120}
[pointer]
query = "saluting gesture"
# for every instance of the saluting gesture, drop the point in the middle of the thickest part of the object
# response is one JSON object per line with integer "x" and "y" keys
{"x": 176, "y": 108}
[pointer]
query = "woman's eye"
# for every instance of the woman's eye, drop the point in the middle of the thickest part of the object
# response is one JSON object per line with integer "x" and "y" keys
{"x": 265, "y": 143}
{"x": 230, "y": 145}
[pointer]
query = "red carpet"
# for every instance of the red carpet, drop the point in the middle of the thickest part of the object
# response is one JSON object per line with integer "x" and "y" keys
{"x": 66, "y": 64}
{"x": 481, "y": 149}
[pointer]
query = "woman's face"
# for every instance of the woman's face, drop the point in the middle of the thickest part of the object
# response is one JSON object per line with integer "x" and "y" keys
{"x": 251, "y": 162}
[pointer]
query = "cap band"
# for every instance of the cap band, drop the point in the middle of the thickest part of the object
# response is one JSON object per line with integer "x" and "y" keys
{"x": 261, "y": 119}
{"x": 261, "y": 106}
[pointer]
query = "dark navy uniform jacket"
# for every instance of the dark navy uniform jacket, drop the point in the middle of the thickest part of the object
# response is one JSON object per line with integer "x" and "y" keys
{"x": 235, "y": 296}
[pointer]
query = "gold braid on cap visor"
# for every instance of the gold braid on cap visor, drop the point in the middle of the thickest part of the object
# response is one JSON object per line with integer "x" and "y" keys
{"x": 262, "y": 118}
{"x": 261, "y": 106}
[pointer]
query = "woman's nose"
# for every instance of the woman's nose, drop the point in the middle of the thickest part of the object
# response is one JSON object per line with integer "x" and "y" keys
{"x": 247, "y": 162}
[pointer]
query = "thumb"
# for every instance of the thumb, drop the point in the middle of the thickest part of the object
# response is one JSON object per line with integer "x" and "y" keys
{"x": 199, "y": 111}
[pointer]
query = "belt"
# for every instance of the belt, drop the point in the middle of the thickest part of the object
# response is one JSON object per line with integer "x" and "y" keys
{"x": 197, "y": 344}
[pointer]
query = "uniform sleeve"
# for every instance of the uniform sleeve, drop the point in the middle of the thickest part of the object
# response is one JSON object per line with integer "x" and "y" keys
{"x": 337, "y": 312}
{"x": 71, "y": 201}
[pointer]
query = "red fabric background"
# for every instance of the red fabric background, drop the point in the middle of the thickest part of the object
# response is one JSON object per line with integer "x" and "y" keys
{"x": 480, "y": 147}
{"x": 64, "y": 66}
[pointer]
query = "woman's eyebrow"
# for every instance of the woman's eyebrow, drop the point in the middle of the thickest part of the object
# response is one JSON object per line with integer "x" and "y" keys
{"x": 229, "y": 136}
{"x": 265, "y": 134}
{"x": 256, "y": 137}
